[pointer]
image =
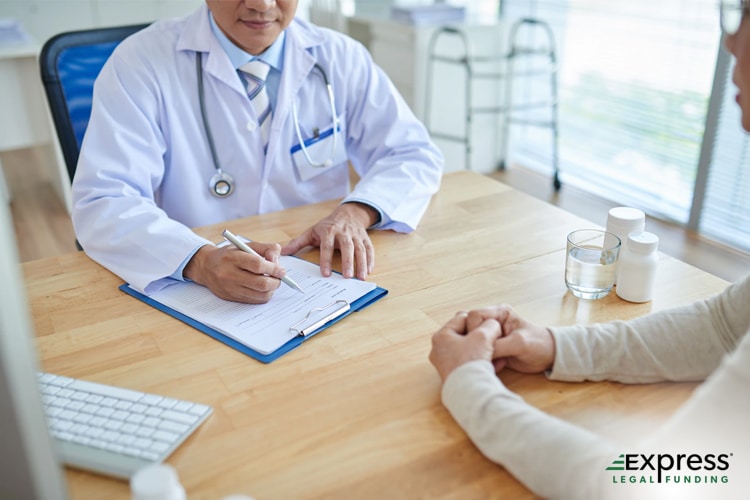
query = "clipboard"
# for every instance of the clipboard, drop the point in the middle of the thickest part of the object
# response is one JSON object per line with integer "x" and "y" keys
{"x": 315, "y": 321}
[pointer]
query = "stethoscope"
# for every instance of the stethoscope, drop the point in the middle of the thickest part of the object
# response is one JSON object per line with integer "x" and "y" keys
{"x": 221, "y": 183}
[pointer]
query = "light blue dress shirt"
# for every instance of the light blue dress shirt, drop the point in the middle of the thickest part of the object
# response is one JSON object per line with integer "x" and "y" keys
{"x": 273, "y": 56}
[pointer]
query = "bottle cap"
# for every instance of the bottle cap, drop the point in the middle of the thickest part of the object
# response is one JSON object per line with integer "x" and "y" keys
{"x": 626, "y": 214}
{"x": 156, "y": 482}
{"x": 642, "y": 242}
{"x": 625, "y": 217}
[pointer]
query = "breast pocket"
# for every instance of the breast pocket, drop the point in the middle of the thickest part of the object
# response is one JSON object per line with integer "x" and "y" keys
{"x": 323, "y": 150}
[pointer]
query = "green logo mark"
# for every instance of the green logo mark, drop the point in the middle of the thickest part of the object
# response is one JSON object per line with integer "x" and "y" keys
{"x": 617, "y": 464}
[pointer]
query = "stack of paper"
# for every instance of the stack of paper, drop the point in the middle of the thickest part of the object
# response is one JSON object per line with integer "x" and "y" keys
{"x": 429, "y": 14}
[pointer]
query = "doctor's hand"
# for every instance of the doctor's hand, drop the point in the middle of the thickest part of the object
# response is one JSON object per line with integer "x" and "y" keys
{"x": 344, "y": 229}
{"x": 524, "y": 346}
{"x": 232, "y": 274}
{"x": 457, "y": 343}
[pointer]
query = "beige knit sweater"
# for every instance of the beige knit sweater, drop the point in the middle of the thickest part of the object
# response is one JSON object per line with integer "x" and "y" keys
{"x": 705, "y": 340}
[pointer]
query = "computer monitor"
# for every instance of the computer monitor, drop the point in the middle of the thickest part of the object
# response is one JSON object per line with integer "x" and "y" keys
{"x": 29, "y": 468}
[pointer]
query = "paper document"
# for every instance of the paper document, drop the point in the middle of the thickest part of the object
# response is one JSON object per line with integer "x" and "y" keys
{"x": 267, "y": 327}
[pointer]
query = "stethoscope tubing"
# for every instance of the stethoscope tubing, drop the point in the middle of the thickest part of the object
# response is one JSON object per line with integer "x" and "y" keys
{"x": 335, "y": 126}
{"x": 221, "y": 183}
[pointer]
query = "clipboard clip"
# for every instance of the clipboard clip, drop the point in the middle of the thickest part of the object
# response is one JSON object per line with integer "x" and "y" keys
{"x": 312, "y": 321}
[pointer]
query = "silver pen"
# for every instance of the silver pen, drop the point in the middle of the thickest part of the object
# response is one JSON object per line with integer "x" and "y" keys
{"x": 242, "y": 246}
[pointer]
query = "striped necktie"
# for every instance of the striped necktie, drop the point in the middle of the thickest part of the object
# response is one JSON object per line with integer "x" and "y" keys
{"x": 255, "y": 73}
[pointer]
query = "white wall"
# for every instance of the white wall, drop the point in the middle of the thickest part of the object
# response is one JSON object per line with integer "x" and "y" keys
{"x": 44, "y": 18}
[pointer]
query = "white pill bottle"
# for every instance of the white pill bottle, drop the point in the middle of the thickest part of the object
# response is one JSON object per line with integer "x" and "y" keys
{"x": 636, "y": 270}
{"x": 622, "y": 221}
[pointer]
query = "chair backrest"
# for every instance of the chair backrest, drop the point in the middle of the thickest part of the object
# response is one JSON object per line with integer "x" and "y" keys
{"x": 69, "y": 64}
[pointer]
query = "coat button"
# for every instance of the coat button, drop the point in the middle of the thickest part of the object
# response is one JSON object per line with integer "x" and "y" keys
{"x": 252, "y": 126}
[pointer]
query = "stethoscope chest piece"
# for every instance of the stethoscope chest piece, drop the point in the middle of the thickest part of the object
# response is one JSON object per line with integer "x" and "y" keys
{"x": 221, "y": 184}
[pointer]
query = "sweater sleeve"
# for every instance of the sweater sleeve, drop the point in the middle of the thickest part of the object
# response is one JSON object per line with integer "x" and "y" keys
{"x": 553, "y": 458}
{"x": 680, "y": 344}
{"x": 558, "y": 460}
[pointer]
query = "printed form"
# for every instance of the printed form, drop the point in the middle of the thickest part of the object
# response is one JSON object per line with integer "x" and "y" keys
{"x": 266, "y": 327}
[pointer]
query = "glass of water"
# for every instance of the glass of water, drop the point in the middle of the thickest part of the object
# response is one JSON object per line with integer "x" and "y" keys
{"x": 591, "y": 262}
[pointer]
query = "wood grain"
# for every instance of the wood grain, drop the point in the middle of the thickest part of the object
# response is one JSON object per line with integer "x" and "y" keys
{"x": 355, "y": 412}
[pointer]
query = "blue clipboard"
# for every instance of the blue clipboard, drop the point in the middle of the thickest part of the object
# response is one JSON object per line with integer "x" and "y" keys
{"x": 369, "y": 298}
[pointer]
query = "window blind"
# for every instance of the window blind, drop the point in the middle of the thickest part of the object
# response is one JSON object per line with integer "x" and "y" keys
{"x": 722, "y": 206}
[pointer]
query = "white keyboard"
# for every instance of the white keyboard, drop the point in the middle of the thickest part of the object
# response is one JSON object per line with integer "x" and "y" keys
{"x": 111, "y": 430}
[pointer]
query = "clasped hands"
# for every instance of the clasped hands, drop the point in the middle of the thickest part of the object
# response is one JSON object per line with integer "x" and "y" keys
{"x": 232, "y": 274}
{"x": 496, "y": 334}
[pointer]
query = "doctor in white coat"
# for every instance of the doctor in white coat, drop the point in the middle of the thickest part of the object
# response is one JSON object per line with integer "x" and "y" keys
{"x": 146, "y": 173}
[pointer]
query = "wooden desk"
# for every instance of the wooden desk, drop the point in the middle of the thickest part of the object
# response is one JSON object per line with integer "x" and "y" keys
{"x": 355, "y": 412}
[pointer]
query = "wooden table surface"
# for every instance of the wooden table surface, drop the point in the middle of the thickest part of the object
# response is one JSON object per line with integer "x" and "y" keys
{"x": 355, "y": 412}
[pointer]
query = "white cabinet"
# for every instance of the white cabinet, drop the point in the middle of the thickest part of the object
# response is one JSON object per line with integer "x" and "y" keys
{"x": 24, "y": 121}
{"x": 43, "y": 19}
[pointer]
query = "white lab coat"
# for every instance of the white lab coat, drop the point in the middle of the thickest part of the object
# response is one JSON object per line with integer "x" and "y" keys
{"x": 143, "y": 174}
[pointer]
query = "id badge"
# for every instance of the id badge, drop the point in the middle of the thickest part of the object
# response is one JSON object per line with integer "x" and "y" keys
{"x": 319, "y": 151}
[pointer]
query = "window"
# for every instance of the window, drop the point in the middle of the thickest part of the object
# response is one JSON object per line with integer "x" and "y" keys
{"x": 634, "y": 84}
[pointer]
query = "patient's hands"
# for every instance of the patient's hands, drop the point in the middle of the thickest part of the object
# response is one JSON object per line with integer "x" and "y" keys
{"x": 523, "y": 346}
{"x": 454, "y": 344}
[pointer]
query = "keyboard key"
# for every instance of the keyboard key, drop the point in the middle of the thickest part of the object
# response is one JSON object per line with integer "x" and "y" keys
{"x": 120, "y": 415}
{"x": 199, "y": 410}
{"x": 123, "y": 405}
{"x": 167, "y": 403}
{"x": 183, "y": 406}
{"x": 154, "y": 411}
{"x": 165, "y": 436}
{"x": 108, "y": 402}
{"x": 135, "y": 418}
{"x": 179, "y": 417}
{"x": 150, "y": 422}
{"x": 168, "y": 425}
{"x": 150, "y": 399}
{"x": 138, "y": 408}
{"x": 64, "y": 393}
{"x": 60, "y": 381}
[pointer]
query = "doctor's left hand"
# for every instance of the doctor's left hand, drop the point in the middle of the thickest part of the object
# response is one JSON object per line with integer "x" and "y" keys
{"x": 232, "y": 274}
{"x": 344, "y": 229}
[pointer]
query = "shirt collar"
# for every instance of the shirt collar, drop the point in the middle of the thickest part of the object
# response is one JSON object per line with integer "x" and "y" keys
{"x": 273, "y": 55}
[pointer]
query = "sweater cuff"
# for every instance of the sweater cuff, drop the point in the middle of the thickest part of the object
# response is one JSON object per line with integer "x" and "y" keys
{"x": 573, "y": 362}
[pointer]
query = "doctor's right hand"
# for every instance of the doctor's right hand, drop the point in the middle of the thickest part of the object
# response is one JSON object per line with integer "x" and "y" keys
{"x": 232, "y": 274}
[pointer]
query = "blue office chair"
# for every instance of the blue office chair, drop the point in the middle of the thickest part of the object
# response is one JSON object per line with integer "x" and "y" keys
{"x": 69, "y": 63}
